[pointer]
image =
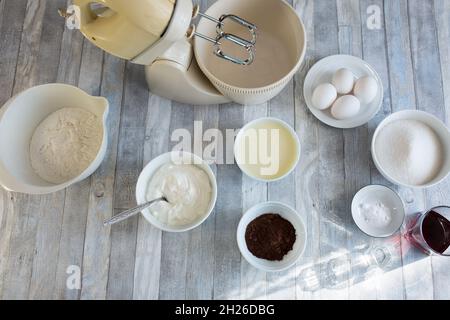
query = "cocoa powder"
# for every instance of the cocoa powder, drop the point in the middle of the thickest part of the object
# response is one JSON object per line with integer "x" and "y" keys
{"x": 270, "y": 237}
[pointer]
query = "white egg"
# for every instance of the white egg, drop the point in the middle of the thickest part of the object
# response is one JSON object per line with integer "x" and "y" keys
{"x": 366, "y": 89}
{"x": 345, "y": 107}
{"x": 343, "y": 80}
{"x": 324, "y": 96}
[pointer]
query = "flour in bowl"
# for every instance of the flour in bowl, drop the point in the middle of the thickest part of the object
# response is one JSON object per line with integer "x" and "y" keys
{"x": 65, "y": 144}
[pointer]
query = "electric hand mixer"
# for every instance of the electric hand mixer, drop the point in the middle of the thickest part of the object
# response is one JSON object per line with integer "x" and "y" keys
{"x": 182, "y": 64}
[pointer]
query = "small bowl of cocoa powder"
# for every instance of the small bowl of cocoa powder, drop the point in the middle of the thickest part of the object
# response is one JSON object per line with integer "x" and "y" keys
{"x": 271, "y": 236}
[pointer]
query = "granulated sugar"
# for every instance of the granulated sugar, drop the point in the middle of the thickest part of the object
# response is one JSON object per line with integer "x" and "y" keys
{"x": 409, "y": 151}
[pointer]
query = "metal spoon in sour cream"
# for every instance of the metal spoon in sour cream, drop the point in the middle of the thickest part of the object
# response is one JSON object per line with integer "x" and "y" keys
{"x": 187, "y": 189}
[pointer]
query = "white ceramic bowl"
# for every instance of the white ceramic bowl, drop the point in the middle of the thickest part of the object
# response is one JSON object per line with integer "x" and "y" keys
{"x": 280, "y": 49}
{"x": 152, "y": 167}
{"x": 19, "y": 118}
{"x": 386, "y": 196}
{"x": 322, "y": 72}
{"x": 434, "y": 123}
{"x": 240, "y": 135}
{"x": 287, "y": 213}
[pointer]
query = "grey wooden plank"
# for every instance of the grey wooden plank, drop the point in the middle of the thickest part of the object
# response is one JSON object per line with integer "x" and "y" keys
{"x": 70, "y": 57}
{"x": 22, "y": 239}
{"x": 148, "y": 247}
{"x": 75, "y": 206}
{"x": 349, "y": 32}
{"x": 48, "y": 234}
{"x": 13, "y": 16}
{"x": 172, "y": 281}
{"x": 98, "y": 238}
{"x": 200, "y": 247}
{"x": 356, "y": 151}
{"x": 306, "y": 174}
{"x": 128, "y": 167}
{"x": 442, "y": 16}
{"x": 11, "y": 29}
{"x": 51, "y": 211}
{"x": 282, "y": 107}
{"x": 374, "y": 47}
{"x": 77, "y": 196}
{"x": 426, "y": 59}
{"x": 442, "y": 265}
{"x": 27, "y": 69}
{"x": 436, "y": 102}
{"x": 174, "y": 246}
{"x": 50, "y": 42}
{"x": 2, "y": 11}
{"x": 6, "y": 220}
{"x": 200, "y": 262}
{"x": 89, "y": 81}
{"x": 402, "y": 92}
{"x": 121, "y": 267}
{"x": 27, "y": 209}
{"x": 132, "y": 135}
{"x": 4, "y": 234}
{"x": 377, "y": 52}
{"x": 200, "y": 258}
{"x": 253, "y": 281}
{"x": 401, "y": 74}
{"x": 332, "y": 205}
{"x": 399, "y": 55}
{"x": 71, "y": 243}
{"x": 228, "y": 212}
{"x": 427, "y": 71}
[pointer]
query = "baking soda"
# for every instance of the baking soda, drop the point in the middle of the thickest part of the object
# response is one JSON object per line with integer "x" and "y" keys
{"x": 375, "y": 214}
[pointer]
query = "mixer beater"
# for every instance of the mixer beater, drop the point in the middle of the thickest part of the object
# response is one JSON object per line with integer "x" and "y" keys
{"x": 249, "y": 45}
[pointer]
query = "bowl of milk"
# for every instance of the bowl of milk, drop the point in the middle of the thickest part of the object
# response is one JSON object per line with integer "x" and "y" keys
{"x": 267, "y": 149}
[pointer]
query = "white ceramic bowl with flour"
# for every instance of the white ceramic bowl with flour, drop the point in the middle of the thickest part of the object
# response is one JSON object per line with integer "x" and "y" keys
{"x": 19, "y": 119}
{"x": 411, "y": 148}
{"x": 153, "y": 168}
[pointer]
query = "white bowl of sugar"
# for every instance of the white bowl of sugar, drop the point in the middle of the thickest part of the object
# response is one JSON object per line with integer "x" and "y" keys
{"x": 411, "y": 148}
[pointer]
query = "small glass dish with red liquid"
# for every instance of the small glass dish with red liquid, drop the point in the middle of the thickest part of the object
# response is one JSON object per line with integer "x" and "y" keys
{"x": 430, "y": 231}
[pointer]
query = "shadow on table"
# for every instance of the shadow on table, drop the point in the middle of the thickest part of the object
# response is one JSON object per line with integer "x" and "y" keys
{"x": 351, "y": 267}
{"x": 342, "y": 268}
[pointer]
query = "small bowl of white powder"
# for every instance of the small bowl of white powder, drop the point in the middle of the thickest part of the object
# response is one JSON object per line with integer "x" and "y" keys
{"x": 188, "y": 184}
{"x": 412, "y": 149}
{"x": 378, "y": 211}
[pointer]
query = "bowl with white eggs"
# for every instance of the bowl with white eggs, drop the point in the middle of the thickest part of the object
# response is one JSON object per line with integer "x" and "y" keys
{"x": 343, "y": 91}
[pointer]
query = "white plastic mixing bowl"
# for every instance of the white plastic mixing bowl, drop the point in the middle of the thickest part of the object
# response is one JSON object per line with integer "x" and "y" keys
{"x": 19, "y": 118}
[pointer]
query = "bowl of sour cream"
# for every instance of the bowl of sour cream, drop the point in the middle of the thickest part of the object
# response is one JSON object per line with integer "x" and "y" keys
{"x": 188, "y": 184}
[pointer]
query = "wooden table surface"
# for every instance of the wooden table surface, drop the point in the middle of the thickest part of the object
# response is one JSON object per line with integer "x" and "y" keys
{"x": 46, "y": 240}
